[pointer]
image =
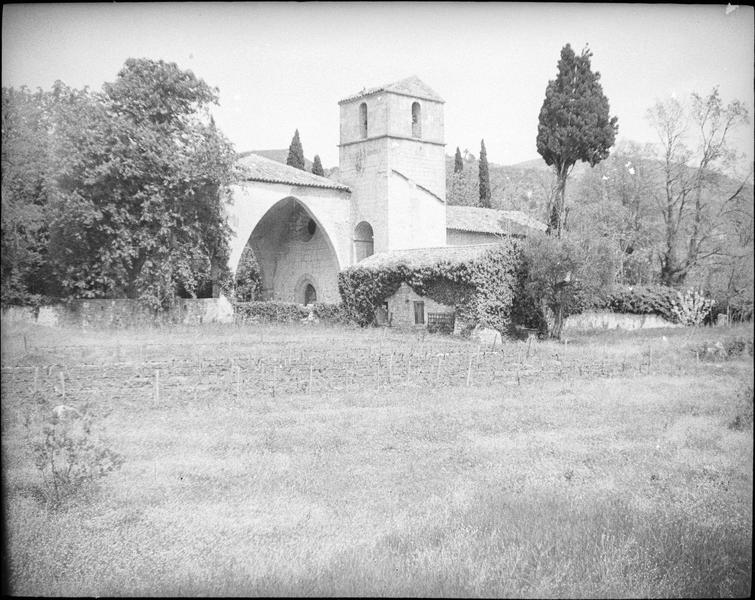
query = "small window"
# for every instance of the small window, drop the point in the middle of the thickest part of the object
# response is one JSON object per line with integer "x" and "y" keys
{"x": 416, "y": 120}
{"x": 364, "y": 243}
{"x": 419, "y": 313}
{"x": 363, "y": 119}
{"x": 311, "y": 227}
{"x": 310, "y": 294}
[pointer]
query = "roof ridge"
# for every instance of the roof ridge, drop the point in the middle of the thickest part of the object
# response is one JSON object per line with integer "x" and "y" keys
{"x": 409, "y": 86}
{"x": 278, "y": 172}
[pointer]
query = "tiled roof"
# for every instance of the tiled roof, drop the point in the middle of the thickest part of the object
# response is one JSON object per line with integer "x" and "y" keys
{"x": 411, "y": 86}
{"x": 489, "y": 220}
{"x": 422, "y": 257}
{"x": 259, "y": 168}
{"x": 277, "y": 154}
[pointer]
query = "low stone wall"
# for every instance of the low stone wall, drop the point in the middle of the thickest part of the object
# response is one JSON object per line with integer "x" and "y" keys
{"x": 610, "y": 320}
{"x": 121, "y": 313}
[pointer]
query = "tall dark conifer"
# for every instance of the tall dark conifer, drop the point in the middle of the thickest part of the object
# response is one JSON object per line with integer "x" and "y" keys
{"x": 295, "y": 153}
{"x": 317, "y": 166}
{"x": 484, "y": 177}
{"x": 574, "y": 124}
{"x": 458, "y": 162}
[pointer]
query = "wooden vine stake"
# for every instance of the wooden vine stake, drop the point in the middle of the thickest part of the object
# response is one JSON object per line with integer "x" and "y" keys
{"x": 62, "y": 384}
{"x": 238, "y": 381}
{"x": 311, "y": 369}
{"x": 36, "y": 379}
{"x": 157, "y": 385}
{"x": 469, "y": 369}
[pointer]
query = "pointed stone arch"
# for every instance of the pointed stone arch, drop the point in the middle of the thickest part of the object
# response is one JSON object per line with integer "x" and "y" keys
{"x": 289, "y": 241}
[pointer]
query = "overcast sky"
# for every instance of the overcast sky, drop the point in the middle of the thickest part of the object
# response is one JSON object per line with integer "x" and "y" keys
{"x": 285, "y": 66}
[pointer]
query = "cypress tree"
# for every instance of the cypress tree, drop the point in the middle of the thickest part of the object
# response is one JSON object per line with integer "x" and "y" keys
{"x": 484, "y": 177}
{"x": 574, "y": 124}
{"x": 295, "y": 153}
{"x": 317, "y": 166}
{"x": 458, "y": 162}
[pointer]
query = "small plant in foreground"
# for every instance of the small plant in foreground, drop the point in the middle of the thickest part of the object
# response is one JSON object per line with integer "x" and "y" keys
{"x": 692, "y": 307}
{"x": 744, "y": 417}
{"x": 67, "y": 453}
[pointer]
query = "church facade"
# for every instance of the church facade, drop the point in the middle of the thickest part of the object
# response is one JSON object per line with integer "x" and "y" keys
{"x": 390, "y": 196}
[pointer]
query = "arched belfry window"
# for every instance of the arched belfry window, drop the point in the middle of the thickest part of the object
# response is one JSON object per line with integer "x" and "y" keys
{"x": 416, "y": 120}
{"x": 364, "y": 244}
{"x": 363, "y": 119}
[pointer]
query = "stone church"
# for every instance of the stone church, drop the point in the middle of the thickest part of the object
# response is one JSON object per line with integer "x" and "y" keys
{"x": 389, "y": 199}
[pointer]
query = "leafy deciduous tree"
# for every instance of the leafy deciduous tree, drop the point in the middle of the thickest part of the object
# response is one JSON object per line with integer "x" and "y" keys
{"x": 136, "y": 208}
{"x": 561, "y": 273}
{"x": 26, "y": 182}
{"x": 696, "y": 201}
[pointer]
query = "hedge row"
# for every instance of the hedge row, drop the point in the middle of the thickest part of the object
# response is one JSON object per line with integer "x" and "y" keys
{"x": 288, "y": 312}
{"x": 639, "y": 300}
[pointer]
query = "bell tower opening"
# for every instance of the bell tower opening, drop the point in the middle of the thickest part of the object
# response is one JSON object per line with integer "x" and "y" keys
{"x": 416, "y": 120}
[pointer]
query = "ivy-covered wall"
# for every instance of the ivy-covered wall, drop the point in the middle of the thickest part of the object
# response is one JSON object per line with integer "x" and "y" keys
{"x": 482, "y": 288}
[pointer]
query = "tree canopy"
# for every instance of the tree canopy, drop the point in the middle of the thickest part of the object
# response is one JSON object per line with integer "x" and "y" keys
{"x": 134, "y": 181}
{"x": 574, "y": 124}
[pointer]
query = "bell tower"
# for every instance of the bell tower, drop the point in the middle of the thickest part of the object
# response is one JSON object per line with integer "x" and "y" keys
{"x": 392, "y": 156}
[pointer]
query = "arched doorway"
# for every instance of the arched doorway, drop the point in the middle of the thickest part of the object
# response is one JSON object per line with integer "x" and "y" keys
{"x": 310, "y": 294}
{"x": 289, "y": 243}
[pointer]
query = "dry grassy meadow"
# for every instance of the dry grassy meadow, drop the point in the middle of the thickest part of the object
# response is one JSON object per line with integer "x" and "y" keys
{"x": 313, "y": 460}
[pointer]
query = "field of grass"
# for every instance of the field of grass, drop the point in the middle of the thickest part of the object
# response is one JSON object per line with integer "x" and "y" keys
{"x": 311, "y": 460}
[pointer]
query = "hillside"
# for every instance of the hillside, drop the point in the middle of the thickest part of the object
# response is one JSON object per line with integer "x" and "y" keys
{"x": 525, "y": 186}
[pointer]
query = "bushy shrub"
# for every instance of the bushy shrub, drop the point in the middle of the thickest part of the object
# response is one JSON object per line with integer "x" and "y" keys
{"x": 639, "y": 300}
{"x": 692, "y": 307}
{"x": 560, "y": 276}
{"x": 67, "y": 452}
{"x": 482, "y": 289}
{"x": 270, "y": 312}
{"x": 248, "y": 278}
{"x": 330, "y": 313}
{"x": 288, "y": 312}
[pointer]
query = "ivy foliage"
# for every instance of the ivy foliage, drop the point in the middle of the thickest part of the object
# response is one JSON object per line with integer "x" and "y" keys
{"x": 482, "y": 289}
{"x": 639, "y": 300}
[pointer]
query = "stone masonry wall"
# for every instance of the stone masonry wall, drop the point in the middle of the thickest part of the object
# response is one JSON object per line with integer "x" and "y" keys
{"x": 401, "y": 306}
{"x": 121, "y": 313}
{"x": 610, "y": 320}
